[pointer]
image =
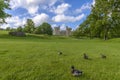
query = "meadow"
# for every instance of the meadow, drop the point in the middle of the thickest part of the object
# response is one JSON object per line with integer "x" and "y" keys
{"x": 36, "y": 58}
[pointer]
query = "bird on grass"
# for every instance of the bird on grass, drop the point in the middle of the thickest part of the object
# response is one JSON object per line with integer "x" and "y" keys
{"x": 103, "y": 56}
{"x": 60, "y": 53}
{"x": 85, "y": 56}
{"x": 75, "y": 72}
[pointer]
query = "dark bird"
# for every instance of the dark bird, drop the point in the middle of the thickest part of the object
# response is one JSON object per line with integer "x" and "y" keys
{"x": 103, "y": 56}
{"x": 60, "y": 53}
{"x": 75, "y": 72}
{"x": 85, "y": 56}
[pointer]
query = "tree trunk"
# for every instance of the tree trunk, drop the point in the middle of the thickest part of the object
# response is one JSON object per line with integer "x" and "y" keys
{"x": 105, "y": 37}
{"x": 106, "y": 33}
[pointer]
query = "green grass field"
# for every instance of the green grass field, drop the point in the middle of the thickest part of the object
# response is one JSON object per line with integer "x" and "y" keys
{"x": 35, "y": 58}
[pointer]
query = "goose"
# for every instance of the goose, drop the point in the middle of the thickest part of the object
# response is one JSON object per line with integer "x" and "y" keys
{"x": 75, "y": 72}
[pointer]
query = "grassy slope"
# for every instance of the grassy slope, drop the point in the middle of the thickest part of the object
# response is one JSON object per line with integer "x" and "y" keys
{"x": 33, "y": 58}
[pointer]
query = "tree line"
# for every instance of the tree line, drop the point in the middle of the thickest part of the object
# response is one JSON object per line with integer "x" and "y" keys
{"x": 29, "y": 27}
{"x": 103, "y": 21}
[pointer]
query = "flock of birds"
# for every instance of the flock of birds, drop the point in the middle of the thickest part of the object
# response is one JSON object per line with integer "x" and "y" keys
{"x": 76, "y": 72}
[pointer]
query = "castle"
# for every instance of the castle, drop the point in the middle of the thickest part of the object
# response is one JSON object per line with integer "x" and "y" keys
{"x": 66, "y": 32}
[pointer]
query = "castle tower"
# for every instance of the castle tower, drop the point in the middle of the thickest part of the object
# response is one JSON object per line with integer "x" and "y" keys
{"x": 68, "y": 31}
{"x": 56, "y": 31}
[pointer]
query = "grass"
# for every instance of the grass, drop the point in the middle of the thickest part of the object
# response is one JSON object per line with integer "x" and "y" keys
{"x": 35, "y": 58}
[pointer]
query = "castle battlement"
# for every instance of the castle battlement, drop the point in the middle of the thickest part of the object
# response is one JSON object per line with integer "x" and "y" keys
{"x": 57, "y": 31}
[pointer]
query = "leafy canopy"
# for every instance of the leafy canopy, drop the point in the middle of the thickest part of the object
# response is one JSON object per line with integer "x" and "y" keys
{"x": 4, "y": 4}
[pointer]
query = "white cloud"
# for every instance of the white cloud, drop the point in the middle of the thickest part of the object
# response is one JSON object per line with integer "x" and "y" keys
{"x": 40, "y": 18}
{"x": 4, "y": 26}
{"x": 51, "y": 2}
{"x": 61, "y": 9}
{"x": 54, "y": 25}
{"x": 64, "y": 18}
{"x": 83, "y": 7}
{"x": 33, "y": 9}
{"x": 31, "y": 6}
{"x": 63, "y": 27}
{"x": 93, "y": 3}
{"x": 14, "y": 22}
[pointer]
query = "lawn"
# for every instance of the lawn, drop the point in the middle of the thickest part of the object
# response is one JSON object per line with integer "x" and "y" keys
{"x": 36, "y": 58}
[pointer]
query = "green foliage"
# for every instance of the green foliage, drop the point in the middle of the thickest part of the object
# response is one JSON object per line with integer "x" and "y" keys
{"x": 46, "y": 28}
{"x": 79, "y": 32}
{"x": 104, "y": 20}
{"x": 76, "y": 34}
{"x": 38, "y": 30}
{"x": 4, "y": 4}
{"x": 19, "y": 29}
{"x": 8, "y": 29}
{"x": 30, "y": 26}
{"x": 12, "y": 30}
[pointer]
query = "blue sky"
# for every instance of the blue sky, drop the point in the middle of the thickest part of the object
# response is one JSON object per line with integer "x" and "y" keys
{"x": 56, "y": 12}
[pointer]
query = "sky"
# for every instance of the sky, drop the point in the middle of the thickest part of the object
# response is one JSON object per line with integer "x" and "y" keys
{"x": 61, "y": 13}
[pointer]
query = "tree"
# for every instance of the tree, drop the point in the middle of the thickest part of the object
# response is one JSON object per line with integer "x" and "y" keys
{"x": 76, "y": 33}
{"x": 30, "y": 26}
{"x": 115, "y": 17}
{"x": 4, "y": 4}
{"x": 103, "y": 21}
{"x": 38, "y": 30}
{"x": 46, "y": 28}
{"x": 8, "y": 29}
{"x": 108, "y": 17}
{"x": 19, "y": 29}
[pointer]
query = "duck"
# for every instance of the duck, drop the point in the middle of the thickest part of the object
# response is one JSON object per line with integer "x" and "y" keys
{"x": 85, "y": 56}
{"x": 75, "y": 72}
{"x": 60, "y": 53}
